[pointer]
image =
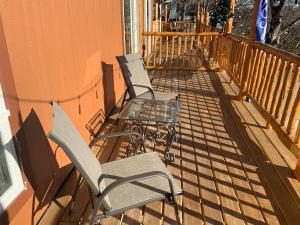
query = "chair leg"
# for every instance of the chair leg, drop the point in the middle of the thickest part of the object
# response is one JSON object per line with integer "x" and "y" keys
{"x": 94, "y": 215}
{"x": 91, "y": 198}
{"x": 173, "y": 201}
{"x": 176, "y": 212}
{"x": 74, "y": 195}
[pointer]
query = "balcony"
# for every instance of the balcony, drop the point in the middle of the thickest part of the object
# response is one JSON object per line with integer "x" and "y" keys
{"x": 233, "y": 168}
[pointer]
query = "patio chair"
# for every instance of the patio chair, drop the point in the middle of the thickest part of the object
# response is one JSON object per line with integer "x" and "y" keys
{"x": 137, "y": 79}
{"x": 119, "y": 185}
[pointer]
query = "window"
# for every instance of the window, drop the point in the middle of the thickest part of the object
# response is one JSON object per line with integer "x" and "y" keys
{"x": 131, "y": 20}
{"x": 11, "y": 184}
{"x": 147, "y": 23}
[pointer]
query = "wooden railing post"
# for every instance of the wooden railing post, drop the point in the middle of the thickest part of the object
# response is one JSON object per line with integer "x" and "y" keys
{"x": 166, "y": 12}
{"x": 198, "y": 11}
{"x": 156, "y": 10}
{"x": 230, "y": 19}
{"x": 206, "y": 18}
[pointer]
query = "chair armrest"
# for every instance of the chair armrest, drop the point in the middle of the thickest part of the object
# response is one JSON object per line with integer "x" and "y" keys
{"x": 128, "y": 133}
{"x": 135, "y": 178}
{"x": 119, "y": 134}
{"x": 135, "y": 85}
{"x": 141, "y": 86}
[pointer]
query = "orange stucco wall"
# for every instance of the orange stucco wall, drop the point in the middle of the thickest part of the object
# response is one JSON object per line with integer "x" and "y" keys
{"x": 63, "y": 50}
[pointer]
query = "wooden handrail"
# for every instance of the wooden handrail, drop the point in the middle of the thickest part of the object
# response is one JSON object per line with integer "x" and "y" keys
{"x": 268, "y": 48}
{"x": 181, "y": 34}
{"x": 180, "y": 50}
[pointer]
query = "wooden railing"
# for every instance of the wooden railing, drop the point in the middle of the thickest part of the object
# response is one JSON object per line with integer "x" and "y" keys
{"x": 180, "y": 50}
{"x": 267, "y": 75}
{"x": 179, "y": 26}
{"x": 270, "y": 77}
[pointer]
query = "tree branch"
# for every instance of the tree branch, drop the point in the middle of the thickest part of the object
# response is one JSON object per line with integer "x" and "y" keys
{"x": 290, "y": 25}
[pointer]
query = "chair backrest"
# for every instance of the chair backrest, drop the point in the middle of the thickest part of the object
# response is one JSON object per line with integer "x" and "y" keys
{"x": 133, "y": 70}
{"x": 69, "y": 139}
{"x": 133, "y": 57}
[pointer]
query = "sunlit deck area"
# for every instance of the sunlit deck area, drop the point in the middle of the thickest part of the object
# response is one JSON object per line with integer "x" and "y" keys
{"x": 232, "y": 170}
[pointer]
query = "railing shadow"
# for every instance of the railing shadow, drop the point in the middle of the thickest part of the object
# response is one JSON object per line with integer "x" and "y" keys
{"x": 266, "y": 170}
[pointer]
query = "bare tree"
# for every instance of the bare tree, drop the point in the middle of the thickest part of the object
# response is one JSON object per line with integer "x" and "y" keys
{"x": 284, "y": 23}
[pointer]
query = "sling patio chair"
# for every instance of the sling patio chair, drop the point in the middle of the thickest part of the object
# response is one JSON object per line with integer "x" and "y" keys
{"x": 137, "y": 80}
{"x": 119, "y": 185}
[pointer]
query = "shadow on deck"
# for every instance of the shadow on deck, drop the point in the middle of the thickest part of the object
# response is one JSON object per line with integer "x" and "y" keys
{"x": 232, "y": 170}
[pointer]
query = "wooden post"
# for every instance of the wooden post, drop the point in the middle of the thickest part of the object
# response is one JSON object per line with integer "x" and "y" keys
{"x": 202, "y": 15}
{"x": 206, "y": 18}
{"x": 156, "y": 10}
{"x": 248, "y": 53}
{"x": 166, "y": 12}
{"x": 230, "y": 19}
{"x": 253, "y": 20}
{"x": 198, "y": 11}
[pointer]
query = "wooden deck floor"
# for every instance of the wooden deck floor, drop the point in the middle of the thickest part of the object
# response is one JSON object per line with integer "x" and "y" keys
{"x": 232, "y": 170}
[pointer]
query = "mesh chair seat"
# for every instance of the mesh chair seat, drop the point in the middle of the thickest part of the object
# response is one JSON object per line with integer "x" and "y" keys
{"x": 131, "y": 195}
{"x": 159, "y": 95}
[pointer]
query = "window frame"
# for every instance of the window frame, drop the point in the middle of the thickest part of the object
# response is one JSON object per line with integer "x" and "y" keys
{"x": 134, "y": 26}
{"x": 8, "y": 147}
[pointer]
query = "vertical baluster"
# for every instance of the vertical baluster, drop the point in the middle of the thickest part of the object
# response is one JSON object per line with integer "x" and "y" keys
{"x": 238, "y": 59}
{"x": 294, "y": 113}
{"x": 191, "y": 50}
{"x": 270, "y": 83}
{"x": 291, "y": 93}
{"x": 235, "y": 55}
{"x": 232, "y": 57}
{"x": 259, "y": 76}
{"x": 167, "y": 50}
{"x": 178, "y": 50}
{"x": 172, "y": 51}
{"x": 283, "y": 89}
{"x": 222, "y": 53}
{"x": 213, "y": 43}
{"x": 184, "y": 50}
{"x": 154, "y": 62}
{"x": 202, "y": 56}
{"x": 160, "y": 49}
{"x": 254, "y": 70}
{"x": 253, "y": 57}
{"x": 152, "y": 42}
{"x": 264, "y": 77}
{"x": 218, "y": 41}
{"x": 297, "y": 135}
{"x": 147, "y": 50}
{"x": 249, "y": 57}
{"x": 245, "y": 46}
{"x": 276, "y": 90}
{"x": 197, "y": 50}
{"x": 235, "y": 59}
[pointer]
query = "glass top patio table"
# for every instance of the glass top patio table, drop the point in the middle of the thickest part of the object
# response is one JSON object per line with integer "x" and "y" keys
{"x": 146, "y": 110}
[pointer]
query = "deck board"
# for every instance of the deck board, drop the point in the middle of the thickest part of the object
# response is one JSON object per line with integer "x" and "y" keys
{"x": 232, "y": 170}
